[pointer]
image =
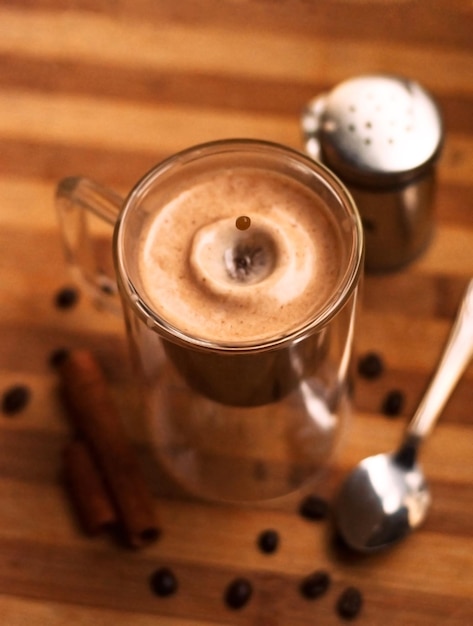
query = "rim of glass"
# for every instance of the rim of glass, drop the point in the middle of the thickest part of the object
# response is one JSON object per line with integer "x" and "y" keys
{"x": 347, "y": 281}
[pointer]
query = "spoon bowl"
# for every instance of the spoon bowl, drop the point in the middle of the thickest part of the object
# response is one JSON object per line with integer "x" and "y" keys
{"x": 386, "y": 496}
{"x": 380, "y": 502}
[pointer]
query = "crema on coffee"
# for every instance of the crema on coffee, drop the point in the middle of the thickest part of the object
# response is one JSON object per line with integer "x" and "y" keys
{"x": 206, "y": 275}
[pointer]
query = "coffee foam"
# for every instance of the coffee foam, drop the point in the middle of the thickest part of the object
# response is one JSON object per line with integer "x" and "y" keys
{"x": 207, "y": 278}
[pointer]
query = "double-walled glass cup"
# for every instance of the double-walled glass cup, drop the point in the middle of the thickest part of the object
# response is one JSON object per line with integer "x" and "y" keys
{"x": 230, "y": 418}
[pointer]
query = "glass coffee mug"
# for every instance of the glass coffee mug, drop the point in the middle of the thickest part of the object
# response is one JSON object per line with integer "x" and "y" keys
{"x": 237, "y": 263}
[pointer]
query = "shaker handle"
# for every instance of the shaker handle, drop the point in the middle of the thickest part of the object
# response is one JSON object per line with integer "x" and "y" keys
{"x": 311, "y": 119}
{"x": 77, "y": 200}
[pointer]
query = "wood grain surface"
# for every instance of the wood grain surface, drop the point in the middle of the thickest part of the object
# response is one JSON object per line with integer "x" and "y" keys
{"x": 108, "y": 88}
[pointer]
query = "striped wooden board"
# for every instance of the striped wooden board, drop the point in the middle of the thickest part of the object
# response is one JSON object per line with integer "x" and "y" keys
{"x": 107, "y": 89}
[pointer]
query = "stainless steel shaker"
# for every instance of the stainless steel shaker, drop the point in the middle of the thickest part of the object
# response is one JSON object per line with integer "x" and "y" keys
{"x": 382, "y": 135}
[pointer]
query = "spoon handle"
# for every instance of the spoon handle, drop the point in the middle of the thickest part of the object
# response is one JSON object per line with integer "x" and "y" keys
{"x": 455, "y": 358}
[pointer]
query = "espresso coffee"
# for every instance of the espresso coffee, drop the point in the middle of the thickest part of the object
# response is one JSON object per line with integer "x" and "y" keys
{"x": 239, "y": 255}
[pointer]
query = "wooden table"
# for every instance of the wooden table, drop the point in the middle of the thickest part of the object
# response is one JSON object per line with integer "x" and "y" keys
{"x": 107, "y": 89}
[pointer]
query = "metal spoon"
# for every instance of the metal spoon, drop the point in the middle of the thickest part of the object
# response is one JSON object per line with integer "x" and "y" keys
{"x": 386, "y": 496}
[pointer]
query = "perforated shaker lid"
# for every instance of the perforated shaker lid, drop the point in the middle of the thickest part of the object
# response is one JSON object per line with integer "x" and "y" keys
{"x": 374, "y": 129}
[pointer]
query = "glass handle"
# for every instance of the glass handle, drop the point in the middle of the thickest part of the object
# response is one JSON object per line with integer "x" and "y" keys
{"x": 82, "y": 203}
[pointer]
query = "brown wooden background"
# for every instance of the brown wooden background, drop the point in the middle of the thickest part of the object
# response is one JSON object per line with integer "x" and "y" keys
{"x": 107, "y": 88}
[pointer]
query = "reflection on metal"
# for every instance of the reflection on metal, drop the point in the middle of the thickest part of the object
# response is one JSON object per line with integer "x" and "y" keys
{"x": 382, "y": 135}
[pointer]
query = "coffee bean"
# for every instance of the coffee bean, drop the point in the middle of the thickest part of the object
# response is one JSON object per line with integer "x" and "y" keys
{"x": 66, "y": 298}
{"x": 370, "y": 365}
{"x": 15, "y": 399}
{"x": 163, "y": 582}
{"x": 393, "y": 403}
{"x": 315, "y": 585}
{"x": 349, "y": 603}
{"x": 314, "y": 508}
{"x": 238, "y": 593}
{"x": 57, "y": 357}
{"x": 268, "y": 541}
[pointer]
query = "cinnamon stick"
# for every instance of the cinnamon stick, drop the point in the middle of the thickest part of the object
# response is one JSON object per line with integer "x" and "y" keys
{"x": 96, "y": 419}
{"x": 94, "y": 506}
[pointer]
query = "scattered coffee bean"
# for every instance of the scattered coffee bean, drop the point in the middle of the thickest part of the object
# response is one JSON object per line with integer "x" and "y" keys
{"x": 393, "y": 403}
{"x": 314, "y": 508}
{"x": 349, "y": 603}
{"x": 238, "y": 593}
{"x": 268, "y": 541}
{"x": 163, "y": 582}
{"x": 57, "y": 357}
{"x": 315, "y": 585}
{"x": 66, "y": 297}
{"x": 15, "y": 399}
{"x": 370, "y": 365}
